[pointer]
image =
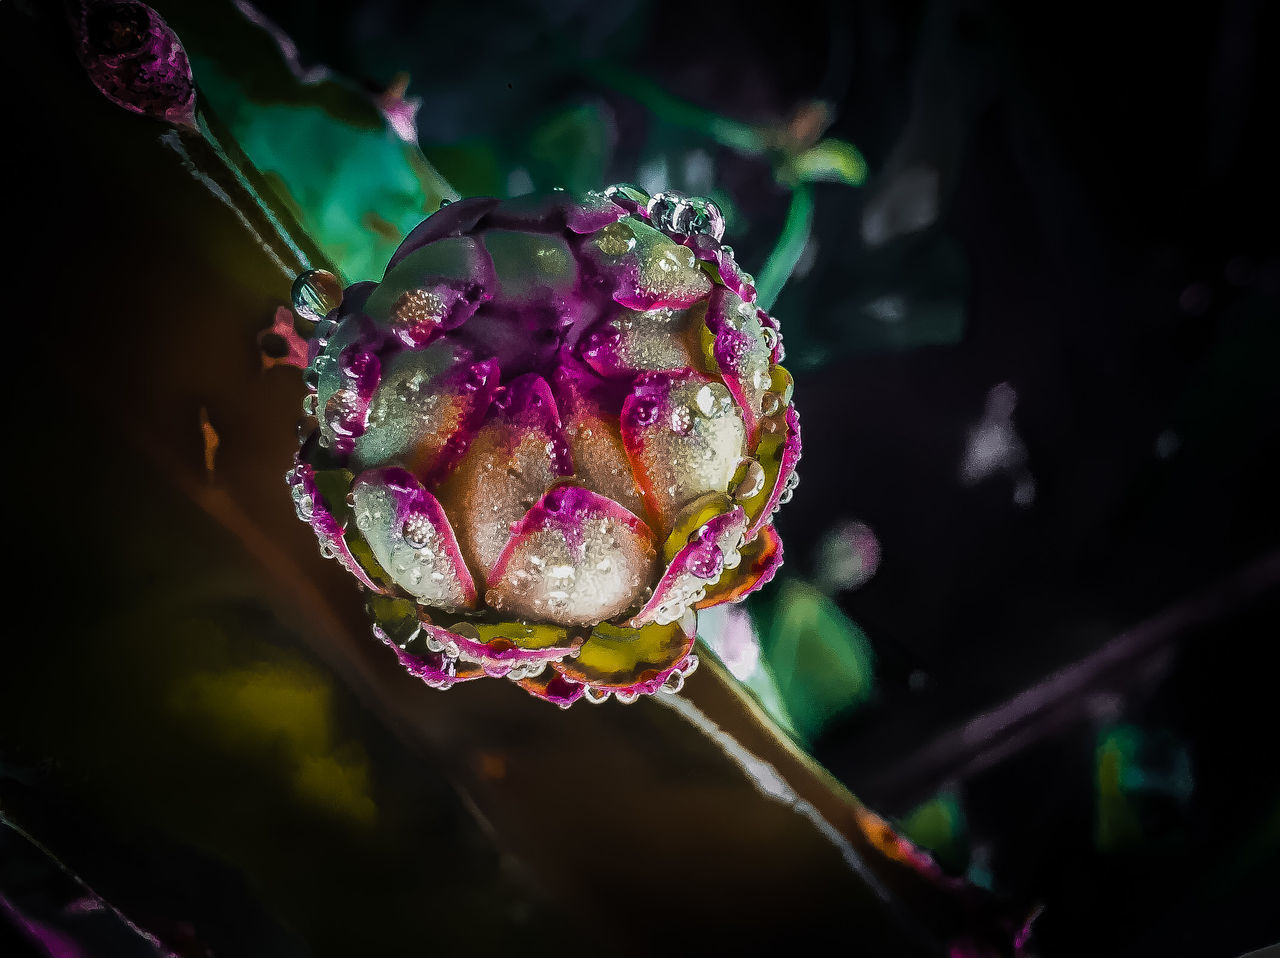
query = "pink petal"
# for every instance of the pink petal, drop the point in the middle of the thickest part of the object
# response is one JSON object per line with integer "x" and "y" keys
{"x": 777, "y": 353}
{"x": 684, "y": 436}
{"x": 530, "y": 268}
{"x": 778, "y": 452}
{"x": 735, "y": 278}
{"x": 504, "y": 646}
{"x": 643, "y": 268}
{"x": 411, "y": 538}
{"x": 438, "y": 669}
{"x": 313, "y": 510}
{"x": 515, "y": 457}
{"x": 553, "y": 687}
{"x": 710, "y": 551}
{"x": 740, "y": 351}
{"x": 576, "y": 558}
{"x": 428, "y": 406}
{"x": 432, "y": 289}
{"x": 593, "y": 212}
{"x": 451, "y": 220}
{"x": 595, "y": 439}
{"x": 630, "y": 342}
{"x": 761, "y": 559}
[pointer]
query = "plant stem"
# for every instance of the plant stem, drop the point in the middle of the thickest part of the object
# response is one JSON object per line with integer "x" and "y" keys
{"x": 789, "y": 248}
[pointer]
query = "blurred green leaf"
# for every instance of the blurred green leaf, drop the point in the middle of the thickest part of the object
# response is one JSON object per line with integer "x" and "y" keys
{"x": 571, "y": 149}
{"x": 822, "y": 662}
{"x": 831, "y": 161}
{"x": 357, "y": 190}
{"x": 474, "y": 167}
{"x": 939, "y": 827}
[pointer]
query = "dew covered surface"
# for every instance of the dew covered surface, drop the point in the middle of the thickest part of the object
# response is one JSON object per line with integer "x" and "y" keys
{"x": 550, "y": 419}
{"x": 203, "y": 729}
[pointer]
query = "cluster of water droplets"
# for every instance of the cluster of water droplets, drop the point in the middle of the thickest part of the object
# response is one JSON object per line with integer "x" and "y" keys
{"x": 695, "y": 221}
{"x": 705, "y": 542}
{"x": 671, "y": 685}
{"x": 407, "y": 543}
{"x": 581, "y": 566}
{"x": 682, "y": 215}
{"x": 303, "y": 502}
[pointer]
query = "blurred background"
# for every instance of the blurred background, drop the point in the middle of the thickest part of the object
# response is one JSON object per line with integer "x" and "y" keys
{"x": 1027, "y": 269}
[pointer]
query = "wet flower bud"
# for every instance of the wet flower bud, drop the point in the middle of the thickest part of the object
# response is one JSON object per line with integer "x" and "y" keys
{"x": 553, "y": 431}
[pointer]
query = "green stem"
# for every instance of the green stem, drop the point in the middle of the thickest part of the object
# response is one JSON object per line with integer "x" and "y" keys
{"x": 789, "y": 248}
{"x": 734, "y": 134}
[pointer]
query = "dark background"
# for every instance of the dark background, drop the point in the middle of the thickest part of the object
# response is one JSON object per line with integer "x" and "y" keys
{"x": 1101, "y": 236}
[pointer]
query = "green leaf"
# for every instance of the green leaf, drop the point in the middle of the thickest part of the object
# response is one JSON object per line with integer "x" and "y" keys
{"x": 831, "y": 161}
{"x": 474, "y": 167}
{"x": 356, "y": 190}
{"x": 571, "y": 149}
{"x": 940, "y": 828}
{"x": 821, "y": 661}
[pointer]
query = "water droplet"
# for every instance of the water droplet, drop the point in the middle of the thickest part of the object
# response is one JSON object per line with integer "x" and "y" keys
{"x": 630, "y": 195}
{"x": 681, "y": 420}
{"x": 311, "y": 405}
{"x": 773, "y": 424}
{"x": 748, "y": 480}
{"x": 705, "y": 400}
{"x": 782, "y": 383}
{"x": 476, "y": 377}
{"x": 707, "y": 563}
{"x": 771, "y": 404}
{"x": 664, "y": 209}
{"x": 305, "y": 506}
{"x": 789, "y": 489}
{"x": 316, "y": 293}
{"x": 418, "y": 531}
{"x": 645, "y": 412}
{"x": 615, "y": 240}
{"x": 770, "y": 337}
{"x": 341, "y": 412}
{"x": 682, "y": 215}
{"x": 669, "y": 612}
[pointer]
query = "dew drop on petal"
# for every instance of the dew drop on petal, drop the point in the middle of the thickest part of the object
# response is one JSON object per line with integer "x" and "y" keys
{"x": 316, "y": 293}
{"x": 748, "y": 480}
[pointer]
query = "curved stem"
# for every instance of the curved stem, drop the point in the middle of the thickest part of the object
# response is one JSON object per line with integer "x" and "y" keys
{"x": 789, "y": 248}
